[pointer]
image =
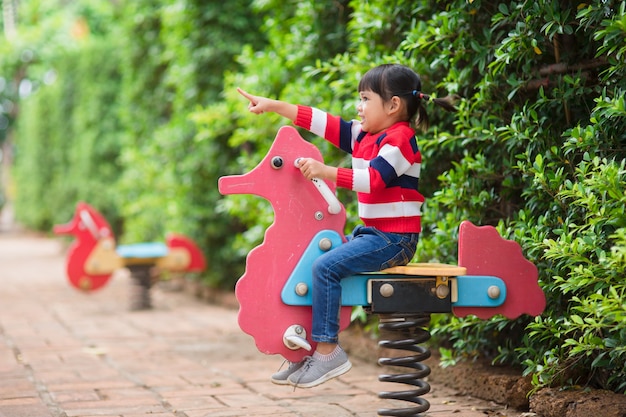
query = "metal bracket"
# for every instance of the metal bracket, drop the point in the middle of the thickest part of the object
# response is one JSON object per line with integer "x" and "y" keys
{"x": 409, "y": 295}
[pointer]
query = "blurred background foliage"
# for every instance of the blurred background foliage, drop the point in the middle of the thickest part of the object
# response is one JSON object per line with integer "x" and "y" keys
{"x": 131, "y": 106}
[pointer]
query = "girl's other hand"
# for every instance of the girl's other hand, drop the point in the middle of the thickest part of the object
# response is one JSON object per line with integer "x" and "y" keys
{"x": 312, "y": 168}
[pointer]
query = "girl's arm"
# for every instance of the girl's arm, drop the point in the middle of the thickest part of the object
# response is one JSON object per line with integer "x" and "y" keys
{"x": 309, "y": 167}
{"x": 260, "y": 105}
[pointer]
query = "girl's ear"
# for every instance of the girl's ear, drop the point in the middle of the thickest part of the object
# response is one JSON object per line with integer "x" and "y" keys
{"x": 394, "y": 105}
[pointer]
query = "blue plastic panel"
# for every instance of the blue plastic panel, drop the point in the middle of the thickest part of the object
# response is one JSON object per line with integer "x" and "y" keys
{"x": 302, "y": 272}
{"x": 472, "y": 291}
{"x": 142, "y": 250}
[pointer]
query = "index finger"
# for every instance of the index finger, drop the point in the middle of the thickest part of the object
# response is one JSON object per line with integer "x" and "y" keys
{"x": 249, "y": 96}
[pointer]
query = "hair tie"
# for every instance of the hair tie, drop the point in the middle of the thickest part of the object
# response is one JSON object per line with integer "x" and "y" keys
{"x": 418, "y": 94}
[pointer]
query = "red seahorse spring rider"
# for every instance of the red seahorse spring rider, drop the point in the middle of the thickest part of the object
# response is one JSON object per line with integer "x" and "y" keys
{"x": 492, "y": 277}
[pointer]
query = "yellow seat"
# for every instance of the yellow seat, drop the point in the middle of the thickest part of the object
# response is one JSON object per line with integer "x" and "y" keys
{"x": 427, "y": 270}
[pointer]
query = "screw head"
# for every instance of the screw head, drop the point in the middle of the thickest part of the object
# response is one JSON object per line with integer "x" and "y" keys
{"x": 386, "y": 290}
{"x": 325, "y": 244}
{"x": 302, "y": 289}
{"x": 493, "y": 292}
{"x": 442, "y": 291}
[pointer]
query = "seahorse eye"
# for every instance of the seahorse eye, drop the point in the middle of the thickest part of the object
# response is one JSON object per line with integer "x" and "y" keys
{"x": 277, "y": 162}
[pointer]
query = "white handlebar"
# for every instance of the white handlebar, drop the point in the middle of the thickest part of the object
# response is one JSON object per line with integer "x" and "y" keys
{"x": 89, "y": 223}
{"x": 334, "y": 206}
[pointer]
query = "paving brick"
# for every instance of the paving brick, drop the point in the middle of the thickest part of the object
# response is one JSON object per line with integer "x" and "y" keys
{"x": 198, "y": 402}
{"x": 23, "y": 407}
{"x": 74, "y": 396}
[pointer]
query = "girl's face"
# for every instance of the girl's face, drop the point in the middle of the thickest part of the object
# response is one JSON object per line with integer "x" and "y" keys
{"x": 373, "y": 112}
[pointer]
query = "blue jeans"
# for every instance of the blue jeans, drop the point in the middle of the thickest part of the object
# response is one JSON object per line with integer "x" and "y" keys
{"x": 367, "y": 250}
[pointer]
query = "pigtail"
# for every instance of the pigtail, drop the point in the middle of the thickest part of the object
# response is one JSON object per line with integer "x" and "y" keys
{"x": 447, "y": 103}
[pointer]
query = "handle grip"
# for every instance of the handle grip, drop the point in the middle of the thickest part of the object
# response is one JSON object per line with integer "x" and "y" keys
{"x": 334, "y": 206}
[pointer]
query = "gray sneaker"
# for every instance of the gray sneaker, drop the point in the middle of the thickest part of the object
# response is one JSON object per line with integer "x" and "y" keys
{"x": 314, "y": 372}
{"x": 281, "y": 377}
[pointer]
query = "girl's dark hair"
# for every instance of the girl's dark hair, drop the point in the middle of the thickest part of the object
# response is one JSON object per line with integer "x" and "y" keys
{"x": 390, "y": 80}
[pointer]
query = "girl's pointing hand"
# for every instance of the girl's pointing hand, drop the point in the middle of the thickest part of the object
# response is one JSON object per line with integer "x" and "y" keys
{"x": 258, "y": 105}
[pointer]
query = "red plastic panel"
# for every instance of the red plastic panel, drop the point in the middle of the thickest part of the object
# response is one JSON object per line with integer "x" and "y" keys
{"x": 297, "y": 208}
{"x": 197, "y": 261}
{"x": 484, "y": 252}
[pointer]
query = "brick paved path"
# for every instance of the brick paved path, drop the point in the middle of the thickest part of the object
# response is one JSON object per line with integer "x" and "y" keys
{"x": 66, "y": 354}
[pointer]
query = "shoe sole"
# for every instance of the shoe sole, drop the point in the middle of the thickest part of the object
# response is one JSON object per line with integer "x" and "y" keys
{"x": 280, "y": 381}
{"x": 286, "y": 380}
{"x": 340, "y": 370}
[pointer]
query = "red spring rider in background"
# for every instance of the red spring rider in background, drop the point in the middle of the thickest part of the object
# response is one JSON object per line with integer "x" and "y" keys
{"x": 94, "y": 256}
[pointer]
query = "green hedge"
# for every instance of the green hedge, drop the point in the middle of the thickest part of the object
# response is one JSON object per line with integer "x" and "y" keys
{"x": 69, "y": 140}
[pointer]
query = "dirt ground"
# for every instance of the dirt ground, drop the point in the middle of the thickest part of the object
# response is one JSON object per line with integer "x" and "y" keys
{"x": 503, "y": 385}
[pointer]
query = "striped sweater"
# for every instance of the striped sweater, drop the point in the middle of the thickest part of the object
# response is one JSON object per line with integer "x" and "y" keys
{"x": 385, "y": 169}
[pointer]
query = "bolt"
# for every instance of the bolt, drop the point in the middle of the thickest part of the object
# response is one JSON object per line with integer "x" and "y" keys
{"x": 442, "y": 291}
{"x": 325, "y": 244}
{"x": 493, "y": 292}
{"x": 302, "y": 289}
{"x": 386, "y": 290}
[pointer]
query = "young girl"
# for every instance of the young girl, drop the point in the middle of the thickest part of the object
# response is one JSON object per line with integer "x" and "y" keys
{"x": 385, "y": 174}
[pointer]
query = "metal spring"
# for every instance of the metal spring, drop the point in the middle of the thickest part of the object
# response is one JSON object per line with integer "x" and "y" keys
{"x": 413, "y": 327}
{"x": 140, "y": 291}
